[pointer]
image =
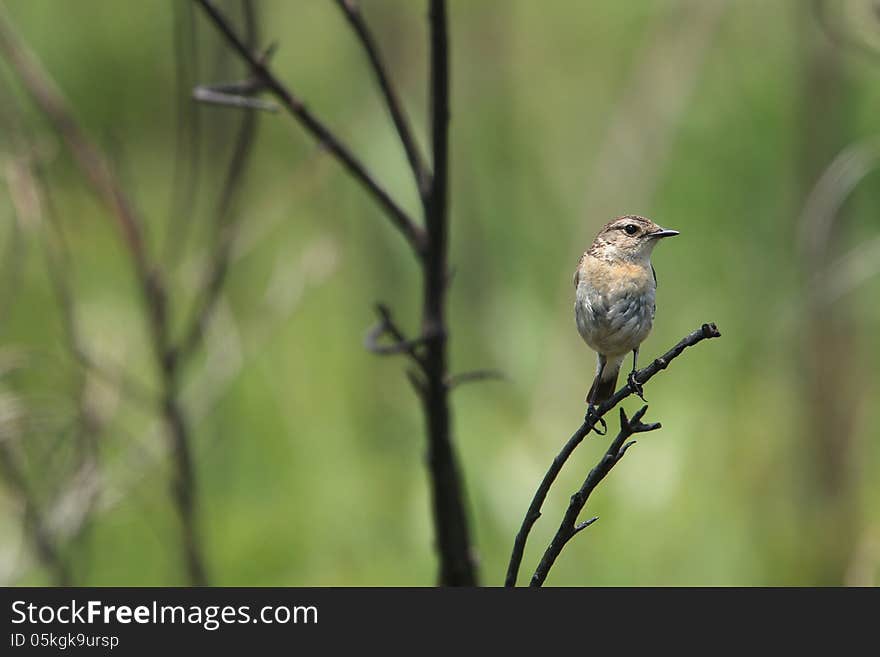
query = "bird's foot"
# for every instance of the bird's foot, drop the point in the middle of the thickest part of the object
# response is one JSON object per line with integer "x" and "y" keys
{"x": 635, "y": 386}
{"x": 595, "y": 420}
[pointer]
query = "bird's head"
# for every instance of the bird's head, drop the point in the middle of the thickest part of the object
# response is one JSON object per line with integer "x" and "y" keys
{"x": 628, "y": 238}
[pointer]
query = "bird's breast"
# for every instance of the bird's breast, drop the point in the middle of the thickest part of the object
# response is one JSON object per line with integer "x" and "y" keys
{"x": 614, "y": 307}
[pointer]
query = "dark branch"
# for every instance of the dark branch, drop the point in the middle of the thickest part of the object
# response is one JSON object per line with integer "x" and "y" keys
{"x": 429, "y": 350}
{"x": 240, "y": 93}
{"x": 401, "y": 220}
{"x": 251, "y": 86}
{"x": 422, "y": 176}
{"x": 706, "y": 331}
{"x": 401, "y": 344}
{"x": 439, "y": 99}
{"x": 569, "y": 526}
{"x": 457, "y": 566}
{"x": 184, "y": 489}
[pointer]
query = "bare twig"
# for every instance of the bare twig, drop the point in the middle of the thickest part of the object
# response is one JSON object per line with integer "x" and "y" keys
{"x": 569, "y": 526}
{"x": 352, "y": 13}
{"x": 205, "y": 94}
{"x": 33, "y": 205}
{"x": 108, "y": 189}
{"x": 41, "y": 524}
{"x": 14, "y": 253}
{"x": 49, "y": 99}
{"x": 35, "y": 524}
{"x": 60, "y": 270}
{"x": 429, "y": 350}
{"x": 13, "y": 474}
{"x": 401, "y": 344}
{"x": 455, "y": 380}
{"x": 644, "y": 375}
{"x": 31, "y": 200}
{"x": 228, "y": 224}
{"x": 188, "y": 138}
{"x": 398, "y": 216}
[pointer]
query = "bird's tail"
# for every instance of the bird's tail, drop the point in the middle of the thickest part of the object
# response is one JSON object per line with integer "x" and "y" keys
{"x": 605, "y": 382}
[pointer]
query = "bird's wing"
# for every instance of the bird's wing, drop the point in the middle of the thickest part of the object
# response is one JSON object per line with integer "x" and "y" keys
{"x": 577, "y": 270}
{"x": 654, "y": 306}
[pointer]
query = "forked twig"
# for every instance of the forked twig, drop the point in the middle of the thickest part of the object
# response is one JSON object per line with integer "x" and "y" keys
{"x": 399, "y": 217}
{"x": 429, "y": 244}
{"x": 569, "y": 527}
{"x": 706, "y": 331}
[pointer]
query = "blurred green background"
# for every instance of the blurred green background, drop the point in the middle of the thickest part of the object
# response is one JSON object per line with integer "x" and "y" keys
{"x": 749, "y": 126}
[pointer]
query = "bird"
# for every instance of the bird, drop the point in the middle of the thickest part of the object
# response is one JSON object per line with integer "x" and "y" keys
{"x": 614, "y": 308}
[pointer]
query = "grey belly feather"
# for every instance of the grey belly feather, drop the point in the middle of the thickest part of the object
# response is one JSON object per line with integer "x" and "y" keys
{"x": 614, "y": 324}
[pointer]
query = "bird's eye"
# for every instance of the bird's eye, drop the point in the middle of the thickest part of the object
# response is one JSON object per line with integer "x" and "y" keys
{"x": 631, "y": 229}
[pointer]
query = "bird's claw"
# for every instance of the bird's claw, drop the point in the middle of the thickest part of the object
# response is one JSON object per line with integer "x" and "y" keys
{"x": 635, "y": 386}
{"x": 595, "y": 419}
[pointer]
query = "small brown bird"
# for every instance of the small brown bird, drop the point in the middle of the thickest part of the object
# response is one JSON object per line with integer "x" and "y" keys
{"x": 614, "y": 307}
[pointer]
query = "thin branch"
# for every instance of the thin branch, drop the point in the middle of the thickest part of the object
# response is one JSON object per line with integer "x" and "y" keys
{"x": 240, "y": 93}
{"x": 586, "y": 523}
{"x": 706, "y": 331}
{"x": 53, "y": 104}
{"x": 91, "y": 162}
{"x": 15, "y": 250}
{"x": 30, "y": 194}
{"x": 455, "y": 380}
{"x": 457, "y": 566}
{"x": 569, "y": 526}
{"x": 35, "y": 524}
{"x": 33, "y": 204}
{"x": 60, "y": 269}
{"x": 207, "y": 94}
{"x": 188, "y": 136}
{"x": 439, "y": 97}
{"x": 398, "y": 216}
{"x": 221, "y": 255}
{"x": 109, "y": 191}
{"x": 227, "y": 226}
{"x": 352, "y": 13}
{"x": 401, "y": 344}
{"x": 184, "y": 489}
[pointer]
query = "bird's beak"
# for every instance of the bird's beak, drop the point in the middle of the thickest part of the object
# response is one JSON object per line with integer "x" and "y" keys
{"x": 663, "y": 232}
